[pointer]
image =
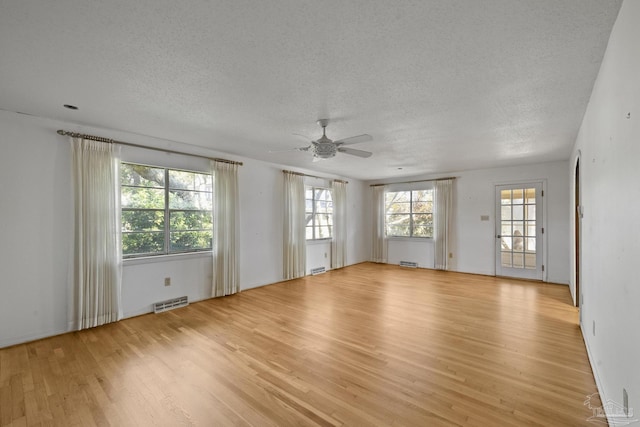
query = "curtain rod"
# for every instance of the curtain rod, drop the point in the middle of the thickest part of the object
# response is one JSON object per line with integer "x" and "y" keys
{"x": 411, "y": 182}
{"x": 112, "y": 141}
{"x": 313, "y": 176}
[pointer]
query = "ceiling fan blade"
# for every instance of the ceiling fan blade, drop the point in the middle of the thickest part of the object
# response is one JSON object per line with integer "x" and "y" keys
{"x": 354, "y": 139}
{"x": 302, "y": 136}
{"x": 290, "y": 149}
{"x": 359, "y": 153}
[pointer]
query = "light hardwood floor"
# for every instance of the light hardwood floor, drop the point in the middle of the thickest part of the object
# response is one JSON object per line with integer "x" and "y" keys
{"x": 366, "y": 345}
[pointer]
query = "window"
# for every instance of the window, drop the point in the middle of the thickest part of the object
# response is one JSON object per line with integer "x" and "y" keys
{"x": 409, "y": 213}
{"x": 318, "y": 213}
{"x": 165, "y": 211}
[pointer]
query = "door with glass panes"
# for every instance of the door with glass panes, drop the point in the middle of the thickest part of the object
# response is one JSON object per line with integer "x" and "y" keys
{"x": 519, "y": 231}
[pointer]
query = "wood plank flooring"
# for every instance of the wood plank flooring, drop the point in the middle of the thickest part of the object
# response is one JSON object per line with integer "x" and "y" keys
{"x": 367, "y": 345}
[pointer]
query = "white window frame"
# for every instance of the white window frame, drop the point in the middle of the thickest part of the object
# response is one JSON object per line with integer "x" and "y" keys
{"x": 410, "y": 213}
{"x": 313, "y": 212}
{"x": 167, "y": 215}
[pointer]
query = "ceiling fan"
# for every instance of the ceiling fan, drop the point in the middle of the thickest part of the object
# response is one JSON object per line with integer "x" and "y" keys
{"x": 324, "y": 148}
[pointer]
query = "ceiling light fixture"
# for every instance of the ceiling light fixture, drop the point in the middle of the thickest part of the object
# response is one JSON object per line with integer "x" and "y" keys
{"x": 70, "y": 107}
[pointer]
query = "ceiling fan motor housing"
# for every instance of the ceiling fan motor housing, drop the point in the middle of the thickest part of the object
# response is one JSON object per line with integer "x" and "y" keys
{"x": 324, "y": 151}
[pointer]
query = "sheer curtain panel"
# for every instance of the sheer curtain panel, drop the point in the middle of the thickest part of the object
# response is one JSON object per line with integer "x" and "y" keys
{"x": 339, "y": 241}
{"x": 295, "y": 242}
{"x": 379, "y": 235}
{"x": 97, "y": 266}
{"x": 225, "y": 229}
{"x": 443, "y": 213}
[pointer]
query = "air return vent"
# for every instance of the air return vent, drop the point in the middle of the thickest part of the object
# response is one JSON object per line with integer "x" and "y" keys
{"x": 170, "y": 304}
{"x": 408, "y": 264}
{"x": 317, "y": 270}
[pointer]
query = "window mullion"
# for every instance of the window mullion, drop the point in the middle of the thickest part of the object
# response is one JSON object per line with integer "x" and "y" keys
{"x": 313, "y": 212}
{"x": 167, "y": 238}
{"x": 410, "y": 213}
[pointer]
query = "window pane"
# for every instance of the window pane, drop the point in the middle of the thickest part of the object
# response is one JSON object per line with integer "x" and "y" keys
{"x": 506, "y": 228}
{"x": 142, "y": 243}
{"x": 423, "y": 196}
{"x": 422, "y": 219}
{"x": 140, "y": 197}
{"x": 397, "y": 196}
{"x": 518, "y": 241}
{"x": 518, "y": 260}
{"x": 396, "y": 208}
{"x": 530, "y": 195}
{"x": 505, "y": 212}
{"x": 531, "y": 244}
{"x": 141, "y": 176}
{"x": 422, "y": 231}
{"x": 518, "y": 200}
{"x": 531, "y": 229}
{"x": 530, "y": 260}
{"x": 183, "y": 199}
{"x": 323, "y": 232}
{"x": 321, "y": 206}
{"x": 518, "y": 212}
{"x": 518, "y": 228}
{"x": 308, "y": 193}
{"x": 399, "y": 230}
{"x": 135, "y": 220}
{"x": 308, "y": 220}
{"x": 505, "y": 258}
{"x": 423, "y": 207}
{"x": 505, "y": 197}
{"x": 181, "y": 180}
{"x": 190, "y": 240}
{"x": 398, "y": 219}
{"x": 505, "y": 241}
{"x": 321, "y": 219}
{"x": 531, "y": 212}
{"x": 308, "y": 206}
{"x": 309, "y": 233}
{"x": 190, "y": 220}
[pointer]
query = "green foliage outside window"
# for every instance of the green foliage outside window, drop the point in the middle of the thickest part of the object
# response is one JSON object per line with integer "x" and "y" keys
{"x": 165, "y": 210}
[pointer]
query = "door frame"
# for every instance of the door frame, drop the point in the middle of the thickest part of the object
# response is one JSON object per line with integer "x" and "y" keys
{"x": 544, "y": 242}
{"x": 577, "y": 231}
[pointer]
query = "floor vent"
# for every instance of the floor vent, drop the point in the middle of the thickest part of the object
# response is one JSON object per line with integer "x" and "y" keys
{"x": 408, "y": 264}
{"x": 318, "y": 270}
{"x": 170, "y": 304}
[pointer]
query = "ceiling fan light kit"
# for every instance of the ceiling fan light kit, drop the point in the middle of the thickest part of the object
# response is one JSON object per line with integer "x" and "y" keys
{"x": 325, "y": 148}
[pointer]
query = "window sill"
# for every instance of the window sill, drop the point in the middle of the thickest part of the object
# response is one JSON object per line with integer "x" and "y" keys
{"x": 165, "y": 258}
{"x": 410, "y": 239}
{"x": 318, "y": 241}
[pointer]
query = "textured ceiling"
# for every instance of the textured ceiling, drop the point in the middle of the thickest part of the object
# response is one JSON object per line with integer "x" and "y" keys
{"x": 440, "y": 85}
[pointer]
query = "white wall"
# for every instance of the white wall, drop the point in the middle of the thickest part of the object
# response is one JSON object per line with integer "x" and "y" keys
{"x": 609, "y": 143}
{"x": 473, "y": 240}
{"x": 36, "y": 229}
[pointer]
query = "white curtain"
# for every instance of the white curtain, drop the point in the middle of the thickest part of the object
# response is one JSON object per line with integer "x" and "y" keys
{"x": 225, "y": 229}
{"x": 97, "y": 256}
{"x": 339, "y": 241}
{"x": 379, "y": 235}
{"x": 295, "y": 243}
{"x": 443, "y": 212}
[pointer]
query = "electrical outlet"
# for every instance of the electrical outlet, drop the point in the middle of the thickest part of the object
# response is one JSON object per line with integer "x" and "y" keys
{"x": 167, "y": 281}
